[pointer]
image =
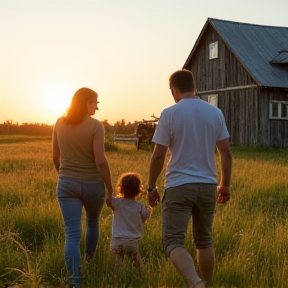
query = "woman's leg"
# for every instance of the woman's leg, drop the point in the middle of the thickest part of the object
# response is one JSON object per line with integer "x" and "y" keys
{"x": 71, "y": 208}
{"x": 93, "y": 196}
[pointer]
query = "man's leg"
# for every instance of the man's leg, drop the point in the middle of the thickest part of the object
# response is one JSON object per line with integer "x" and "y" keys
{"x": 184, "y": 263}
{"x": 203, "y": 215}
{"x": 206, "y": 263}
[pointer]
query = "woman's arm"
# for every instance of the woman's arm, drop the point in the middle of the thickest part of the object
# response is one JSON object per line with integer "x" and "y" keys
{"x": 56, "y": 155}
{"x": 103, "y": 168}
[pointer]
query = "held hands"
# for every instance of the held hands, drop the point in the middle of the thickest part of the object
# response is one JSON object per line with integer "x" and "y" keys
{"x": 109, "y": 201}
{"x": 153, "y": 198}
{"x": 223, "y": 194}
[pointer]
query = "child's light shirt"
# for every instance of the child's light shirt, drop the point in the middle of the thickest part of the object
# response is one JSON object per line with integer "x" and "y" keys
{"x": 129, "y": 218}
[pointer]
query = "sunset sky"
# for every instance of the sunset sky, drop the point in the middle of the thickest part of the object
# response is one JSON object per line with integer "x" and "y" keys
{"x": 123, "y": 49}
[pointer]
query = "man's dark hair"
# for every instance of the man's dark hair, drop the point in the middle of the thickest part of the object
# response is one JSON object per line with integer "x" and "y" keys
{"x": 182, "y": 80}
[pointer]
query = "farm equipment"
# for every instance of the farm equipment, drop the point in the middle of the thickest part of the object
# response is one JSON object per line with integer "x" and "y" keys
{"x": 145, "y": 131}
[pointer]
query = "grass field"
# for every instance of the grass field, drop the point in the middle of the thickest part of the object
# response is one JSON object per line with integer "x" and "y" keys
{"x": 250, "y": 232}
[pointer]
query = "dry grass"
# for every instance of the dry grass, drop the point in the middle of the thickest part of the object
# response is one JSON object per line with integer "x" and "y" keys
{"x": 250, "y": 232}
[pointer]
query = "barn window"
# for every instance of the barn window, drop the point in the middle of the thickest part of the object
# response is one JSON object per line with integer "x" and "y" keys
{"x": 213, "y": 50}
{"x": 213, "y": 100}
{"x": 278, "y": 110}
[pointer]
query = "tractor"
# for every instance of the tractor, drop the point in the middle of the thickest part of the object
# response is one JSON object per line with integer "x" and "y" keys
{"x": 145, "y": 131}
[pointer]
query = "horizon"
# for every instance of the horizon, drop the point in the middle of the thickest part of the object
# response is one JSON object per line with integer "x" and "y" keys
{"x": 11, "y": 122}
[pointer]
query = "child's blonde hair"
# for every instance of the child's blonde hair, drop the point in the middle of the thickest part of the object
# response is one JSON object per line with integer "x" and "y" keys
{"x": 129, "y": 185}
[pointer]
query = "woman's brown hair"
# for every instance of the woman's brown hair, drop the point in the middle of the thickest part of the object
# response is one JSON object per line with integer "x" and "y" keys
{"x": 78, "y": 109}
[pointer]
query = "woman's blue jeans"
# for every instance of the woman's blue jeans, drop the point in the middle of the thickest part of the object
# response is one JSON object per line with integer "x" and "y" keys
{"x": 72, "y": 195}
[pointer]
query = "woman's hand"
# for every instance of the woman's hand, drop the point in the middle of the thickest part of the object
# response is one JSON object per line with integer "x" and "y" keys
{"x": 109, "y": 202}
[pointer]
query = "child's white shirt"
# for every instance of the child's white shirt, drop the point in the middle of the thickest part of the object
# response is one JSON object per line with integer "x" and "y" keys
{"x": 129, "y": 218}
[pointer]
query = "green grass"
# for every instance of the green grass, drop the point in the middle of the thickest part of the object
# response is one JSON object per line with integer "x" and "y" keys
{"x": 250, "y": 232}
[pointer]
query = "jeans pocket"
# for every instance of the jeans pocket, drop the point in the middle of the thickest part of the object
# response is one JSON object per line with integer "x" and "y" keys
{"x": 65, "y": 187}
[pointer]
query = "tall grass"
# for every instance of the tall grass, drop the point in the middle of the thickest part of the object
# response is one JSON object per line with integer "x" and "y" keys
{"x": 250, "y": 232}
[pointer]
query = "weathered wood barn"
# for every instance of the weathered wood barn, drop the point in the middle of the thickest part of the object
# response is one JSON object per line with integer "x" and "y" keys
{"x": 243, "y": 69}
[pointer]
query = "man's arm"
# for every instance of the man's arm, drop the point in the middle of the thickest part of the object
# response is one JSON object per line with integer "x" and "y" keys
{"x": 223, "y": 147}
{"x": 156, "y": 166}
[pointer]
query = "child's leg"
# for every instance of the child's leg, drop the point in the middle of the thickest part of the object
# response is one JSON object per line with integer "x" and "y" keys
{"x": 118, "y": 253}
{"x": 136, "y": 259}
{"x": 132, "y": 251}
{"x": 119, "y": 257}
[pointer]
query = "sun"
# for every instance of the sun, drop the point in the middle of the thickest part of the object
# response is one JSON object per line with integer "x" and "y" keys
{"x": 57, "y": 99}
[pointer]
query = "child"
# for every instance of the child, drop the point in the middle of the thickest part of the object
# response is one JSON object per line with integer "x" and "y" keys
{"x": 128, "y": 219}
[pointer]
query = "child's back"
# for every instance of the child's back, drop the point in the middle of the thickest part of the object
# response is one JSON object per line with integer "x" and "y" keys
{"x": 129, "y": 218}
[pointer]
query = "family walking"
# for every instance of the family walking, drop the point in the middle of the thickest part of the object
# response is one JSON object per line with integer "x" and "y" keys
{"x": 191, "y": 129}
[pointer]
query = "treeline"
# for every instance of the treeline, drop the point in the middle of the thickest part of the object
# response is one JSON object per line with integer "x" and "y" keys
{"x": 120, "y": 127}
{"x": 40, "y": 129}
{"x": 29, "y": 129}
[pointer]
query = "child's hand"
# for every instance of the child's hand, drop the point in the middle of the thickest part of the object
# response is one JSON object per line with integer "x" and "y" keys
{"x": 149, "y": 208}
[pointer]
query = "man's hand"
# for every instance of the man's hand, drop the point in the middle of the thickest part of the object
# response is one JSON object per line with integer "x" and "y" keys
{"x": 153, "y": 198}
{"x": 223, "y": 194}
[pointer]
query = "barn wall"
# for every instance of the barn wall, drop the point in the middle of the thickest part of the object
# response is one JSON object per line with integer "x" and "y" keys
{"x": 246, "y": 110}
{"x": 273, "y": 132}
{"x": 240, "y": 109}
{"x": 225, "y": 71}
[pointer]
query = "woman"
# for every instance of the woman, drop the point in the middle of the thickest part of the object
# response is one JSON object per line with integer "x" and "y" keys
{"x": 79, "y": 158}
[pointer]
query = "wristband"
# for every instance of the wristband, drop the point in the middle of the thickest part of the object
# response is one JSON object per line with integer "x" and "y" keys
{"x": 150, "y": 190}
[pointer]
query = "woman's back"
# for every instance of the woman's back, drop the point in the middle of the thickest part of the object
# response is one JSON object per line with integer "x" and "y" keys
{"x": 76, "y": 147}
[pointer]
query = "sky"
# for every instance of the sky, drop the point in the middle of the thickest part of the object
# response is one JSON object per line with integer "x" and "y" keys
{"x": 123, "y": 49}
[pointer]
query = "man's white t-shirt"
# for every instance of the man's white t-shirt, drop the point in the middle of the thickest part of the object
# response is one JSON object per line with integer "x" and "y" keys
{"x": 191, "y": 128}
{"x": 129, "y": 218}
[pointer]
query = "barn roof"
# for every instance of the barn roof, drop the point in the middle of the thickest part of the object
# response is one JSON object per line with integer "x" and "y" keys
{"x": 262, "y": 50}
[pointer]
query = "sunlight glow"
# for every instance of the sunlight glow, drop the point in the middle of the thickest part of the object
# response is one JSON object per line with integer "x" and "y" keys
{"x": 57, "y": 99}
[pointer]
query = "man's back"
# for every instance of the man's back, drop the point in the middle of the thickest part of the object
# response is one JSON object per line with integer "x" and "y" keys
{"x": 190, "y": 129}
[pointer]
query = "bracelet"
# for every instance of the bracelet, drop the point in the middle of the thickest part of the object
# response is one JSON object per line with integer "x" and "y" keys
{"x": 150, "y": 190}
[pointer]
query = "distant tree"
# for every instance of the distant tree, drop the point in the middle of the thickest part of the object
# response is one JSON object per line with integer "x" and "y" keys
{"x": 108, "y": 127}
{"x": 40, "y": 129}
{"x": 30, "y": 129}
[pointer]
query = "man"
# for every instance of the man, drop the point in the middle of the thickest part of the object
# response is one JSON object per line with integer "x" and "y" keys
{"x": 191, "y": 129}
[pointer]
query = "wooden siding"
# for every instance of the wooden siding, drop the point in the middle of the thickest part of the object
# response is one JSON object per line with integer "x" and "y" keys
{"x": 245, "y": 106}
{"x": 273, "y": 132}
{"x": 224, "y": 71}
{"x": 240, "y": 109}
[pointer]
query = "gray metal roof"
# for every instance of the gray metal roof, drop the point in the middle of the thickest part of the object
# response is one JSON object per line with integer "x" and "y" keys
{"x": 256, "y": 46}
{"x": 282, "y": 57}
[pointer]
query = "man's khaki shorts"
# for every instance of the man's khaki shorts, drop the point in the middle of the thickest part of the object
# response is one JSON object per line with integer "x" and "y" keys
{"x": 179, "y": 204}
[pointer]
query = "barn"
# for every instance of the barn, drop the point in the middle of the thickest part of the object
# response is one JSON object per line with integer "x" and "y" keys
{"x": 243, "y": 69}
